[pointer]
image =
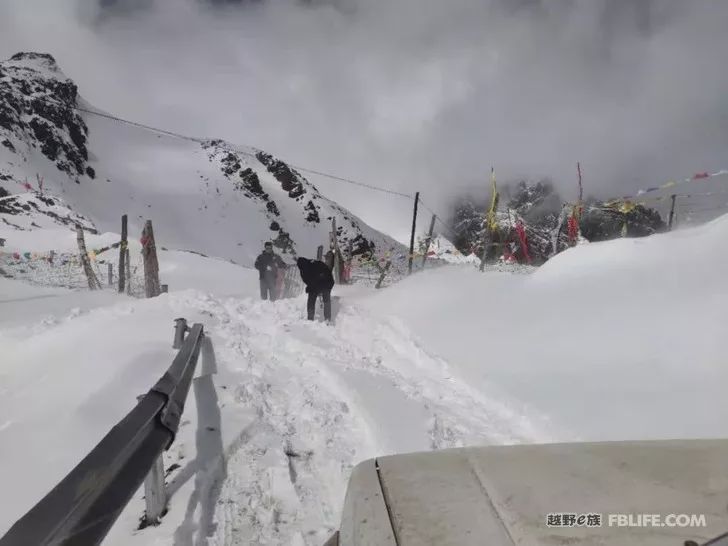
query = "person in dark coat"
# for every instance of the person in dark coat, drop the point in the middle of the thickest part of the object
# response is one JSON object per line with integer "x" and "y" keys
{"x": 268, "y": 264}
{"x": 318, "y": 279}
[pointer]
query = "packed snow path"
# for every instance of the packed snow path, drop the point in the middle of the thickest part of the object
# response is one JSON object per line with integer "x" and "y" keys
{"x": 321, "y": 399}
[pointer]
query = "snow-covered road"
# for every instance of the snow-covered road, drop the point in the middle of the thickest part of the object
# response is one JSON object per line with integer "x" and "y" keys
{"x": 319, "y": 400}
{"x": 278, "y": 418}
{"x": 275, "y": 422}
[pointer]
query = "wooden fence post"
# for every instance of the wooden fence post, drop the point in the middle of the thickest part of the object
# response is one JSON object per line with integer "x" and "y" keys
{"x": 151, "y": 264}
{"x": 128, "y": 272}
{"x": 110, "y": 267}
{"x": 429, "y": 240}
{"x": 122, "y": 253}
{"x": 383, "y": 273}
{"x": 335, "y": 249}
{"x": 93, "y": 282}
{"x": 349, "y": 261}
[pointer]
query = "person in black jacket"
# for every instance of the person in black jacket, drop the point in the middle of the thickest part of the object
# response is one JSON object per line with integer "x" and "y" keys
{"x": 268, "y": 264}
{"x": 318, "y": 279}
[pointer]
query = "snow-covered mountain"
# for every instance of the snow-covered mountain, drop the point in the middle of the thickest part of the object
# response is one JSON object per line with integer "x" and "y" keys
{"x": 205, "y": 195}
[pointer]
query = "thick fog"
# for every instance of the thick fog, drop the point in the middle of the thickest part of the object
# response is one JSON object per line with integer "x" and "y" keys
{"x": 411, "y": 94}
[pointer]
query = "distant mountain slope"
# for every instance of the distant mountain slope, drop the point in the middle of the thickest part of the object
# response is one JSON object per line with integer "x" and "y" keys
{"x": 202, "y": 194}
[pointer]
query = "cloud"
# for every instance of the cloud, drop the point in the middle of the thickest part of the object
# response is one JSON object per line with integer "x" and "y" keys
{"x": 411, "y": 94}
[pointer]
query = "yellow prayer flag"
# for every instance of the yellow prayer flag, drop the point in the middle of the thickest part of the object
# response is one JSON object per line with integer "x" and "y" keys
{"x": 492, "y": 225}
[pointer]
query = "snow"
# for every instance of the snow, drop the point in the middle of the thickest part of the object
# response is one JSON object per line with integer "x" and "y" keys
{"x": 326, "y": 395}
{"x": 443, "y": 249}
{"x": 617, "y": 340}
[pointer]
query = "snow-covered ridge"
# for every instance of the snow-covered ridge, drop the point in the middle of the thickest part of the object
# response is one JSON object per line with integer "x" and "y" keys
{"x": 206, "y": 195}
{"x": 27, "y": 211}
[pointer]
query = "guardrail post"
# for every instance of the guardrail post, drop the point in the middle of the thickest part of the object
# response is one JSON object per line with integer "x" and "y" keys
{"x": 180, "y": 328}
{"x": 155, "y": 492}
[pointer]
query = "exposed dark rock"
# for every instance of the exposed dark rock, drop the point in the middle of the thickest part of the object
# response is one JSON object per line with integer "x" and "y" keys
{"x": 362, "y": 246}
{"x": 599, "y": 224}
{"x": 44, "y": 134}
{"x": 272, "y": 208}
{"x": 284, "y": 242}
{"x": 47, "y": 200}
{"x": 313, "y": 215}
{"x": 291, "y": 181}
{"x": 251, "y": 182}
{"x": 230, "y": 164}
{"x": 47, "y": 58}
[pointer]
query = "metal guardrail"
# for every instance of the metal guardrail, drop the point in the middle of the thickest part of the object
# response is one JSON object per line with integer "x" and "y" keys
{"x": 81, "y": 509}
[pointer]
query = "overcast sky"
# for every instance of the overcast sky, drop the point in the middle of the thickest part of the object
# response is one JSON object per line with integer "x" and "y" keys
{"x": 411, "y": 94}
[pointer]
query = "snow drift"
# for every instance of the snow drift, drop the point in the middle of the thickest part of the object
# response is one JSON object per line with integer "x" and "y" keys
{"x": 613, "y": 340}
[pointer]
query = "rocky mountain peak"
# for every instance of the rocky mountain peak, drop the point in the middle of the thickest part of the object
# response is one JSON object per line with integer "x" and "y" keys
{"x": 31, "y": 58}
{"x": 38, "y": 111}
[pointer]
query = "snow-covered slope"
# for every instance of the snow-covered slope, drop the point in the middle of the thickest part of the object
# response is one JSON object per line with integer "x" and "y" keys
{"x": 28, "y": 212}
{"x": 202, "y": 194}
{"x": 614, "y": 340}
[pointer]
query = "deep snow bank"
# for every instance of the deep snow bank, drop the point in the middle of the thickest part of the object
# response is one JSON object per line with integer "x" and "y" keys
{"x": 615, "y": 340}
